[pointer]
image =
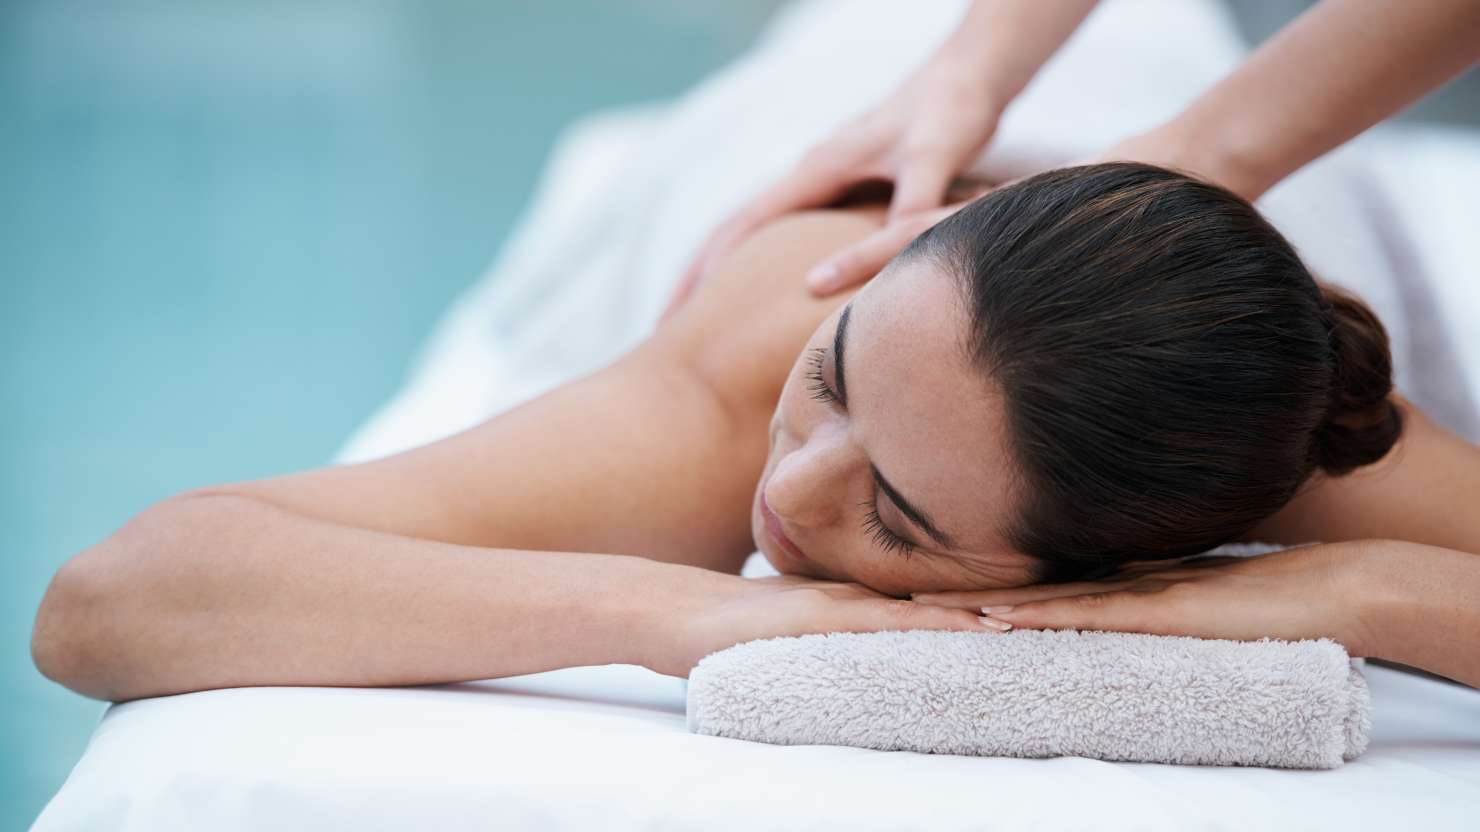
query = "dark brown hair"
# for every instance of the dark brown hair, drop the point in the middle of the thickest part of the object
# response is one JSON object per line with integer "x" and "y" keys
{"x": 1171, "y": 371}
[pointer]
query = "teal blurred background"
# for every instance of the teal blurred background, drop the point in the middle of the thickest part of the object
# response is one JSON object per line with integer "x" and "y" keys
{"x": 224, "y": 227}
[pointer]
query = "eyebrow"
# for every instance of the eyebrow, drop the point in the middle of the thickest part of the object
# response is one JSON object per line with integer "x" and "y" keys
{"x": 908, "y": 509}
{"x": 918, "y": 517}
{"x": 839, "y": 336}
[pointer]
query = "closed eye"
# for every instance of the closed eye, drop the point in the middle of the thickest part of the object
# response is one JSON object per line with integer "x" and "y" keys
{"x": 815, "y": 382}
{"x": 873, "y": 525}
{"x": 884, "y": 537}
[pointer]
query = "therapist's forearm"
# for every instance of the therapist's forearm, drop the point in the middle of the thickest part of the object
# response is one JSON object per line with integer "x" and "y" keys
{"x": 225, "y": 591}
{"x": 1336, "y": 70}
{"x": 1007, "y": 41}
{"x": 1421, "y": 607}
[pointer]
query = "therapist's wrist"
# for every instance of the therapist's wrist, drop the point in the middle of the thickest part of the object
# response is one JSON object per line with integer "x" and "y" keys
{"x": 1005, "y": 42}
{"x": 969, "y": 78}
{"x": 1204, "y": 144}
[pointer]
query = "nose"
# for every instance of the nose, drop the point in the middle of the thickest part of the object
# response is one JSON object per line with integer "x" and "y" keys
{"x": 808, "y": 486}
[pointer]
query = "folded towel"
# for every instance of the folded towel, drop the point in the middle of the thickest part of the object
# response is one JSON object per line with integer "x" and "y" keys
{"x": 1041, "y": 693}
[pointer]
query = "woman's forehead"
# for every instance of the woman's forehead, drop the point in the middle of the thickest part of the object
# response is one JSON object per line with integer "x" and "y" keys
{"x": 931, "y": 421}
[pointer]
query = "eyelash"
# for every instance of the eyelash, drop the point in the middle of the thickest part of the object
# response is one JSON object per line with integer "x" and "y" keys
{"x": 884, "y": 537}
{"x": 819, "y": 388}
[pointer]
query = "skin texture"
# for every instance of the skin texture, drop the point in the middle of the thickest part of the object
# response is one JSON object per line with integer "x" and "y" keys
{"x": 605, "y": 521}
{"x": 546, "y": 476}
{"x": 914, "y": 409}
{"x": 1341, "y": 67}
{"x": 920, "y": 138}
{"x": 688, "y": 408}
{"x": 464, "y": 558}
{"x": 1399, "y": 579}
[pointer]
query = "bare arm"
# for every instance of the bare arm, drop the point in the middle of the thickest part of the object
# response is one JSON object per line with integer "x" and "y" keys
{"x": 920, "y": 136}
{"x": 1415, "y": 572}
{"x": 416, "y": 568}
{"x": 224, "y": 591}
{"x": 1424, "y": 491}
{"x": 1338, "y": 69}
{"x": 1422, "y": 608}
{"x": 656, "y": 455}
{"x": 1008, "y": 41}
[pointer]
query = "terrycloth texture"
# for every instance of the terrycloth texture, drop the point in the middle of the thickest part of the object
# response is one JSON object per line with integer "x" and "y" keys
{"x": 628, "y": 197}
{"x": 1037, "y": 694}
{"x": 1034, "y": 693}
{"x": 623, "y": 201}
{"x": 605, "y": 748}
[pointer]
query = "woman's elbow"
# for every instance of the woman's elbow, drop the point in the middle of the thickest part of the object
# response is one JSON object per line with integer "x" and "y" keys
{"x": 89, "y": 630}
{"x": 65, "y": 642}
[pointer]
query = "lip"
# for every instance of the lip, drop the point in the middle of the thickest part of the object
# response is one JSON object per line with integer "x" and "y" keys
{"x": 773, "y": 526}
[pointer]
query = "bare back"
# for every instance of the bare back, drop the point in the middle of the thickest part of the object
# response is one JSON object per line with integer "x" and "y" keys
{"x": 658, "y": 453}
{"x": 655, "y": 455}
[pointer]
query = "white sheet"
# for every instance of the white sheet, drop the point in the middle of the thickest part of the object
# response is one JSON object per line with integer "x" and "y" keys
{"x": 628, "y": 196}
{"x": 626, "y": 199}
{"x": 606, "y": 748}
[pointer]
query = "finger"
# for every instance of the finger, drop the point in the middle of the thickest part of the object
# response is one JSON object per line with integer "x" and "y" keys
{"x": 821, "y": 176}
{"x": 1127, "y": 612}
{"x": 812, "y": 185}
{"x": 921, "y": 186}
{"x": 719, "y": 243}
{"x": 865, "y": 258}
{"x": 977, "y": 599}
{"x": 907, "y": 615}
{"x": 878, "y": 616}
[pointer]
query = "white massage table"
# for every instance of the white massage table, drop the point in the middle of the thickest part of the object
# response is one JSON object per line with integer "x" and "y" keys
{"x": 606, "y": 747}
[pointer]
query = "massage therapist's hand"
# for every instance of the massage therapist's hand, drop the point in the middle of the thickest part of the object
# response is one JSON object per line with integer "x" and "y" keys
{"x": 919, "y": 138}
{"x": 1172, "y": 146}
{"x": 721, "y": 610}
{"x": 1301, "y": 593}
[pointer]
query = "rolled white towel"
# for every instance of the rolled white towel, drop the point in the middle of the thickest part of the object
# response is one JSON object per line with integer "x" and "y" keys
{"x": 1041, "y": 693}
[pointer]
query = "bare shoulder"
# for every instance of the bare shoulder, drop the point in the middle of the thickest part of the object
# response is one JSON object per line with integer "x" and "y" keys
{"x": 746, "y": 323}
{"x": 642, "y": 457}
{"x": 1424, "y": 491}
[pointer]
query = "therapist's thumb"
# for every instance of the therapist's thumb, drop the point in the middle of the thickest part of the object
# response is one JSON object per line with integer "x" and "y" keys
{"x": 865, "y": 258}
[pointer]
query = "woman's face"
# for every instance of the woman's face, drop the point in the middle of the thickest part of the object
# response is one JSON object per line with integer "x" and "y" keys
{"x": 888, "y": 463}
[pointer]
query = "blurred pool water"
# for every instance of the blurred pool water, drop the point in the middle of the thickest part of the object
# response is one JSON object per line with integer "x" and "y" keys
{"x": 225, "y": 226}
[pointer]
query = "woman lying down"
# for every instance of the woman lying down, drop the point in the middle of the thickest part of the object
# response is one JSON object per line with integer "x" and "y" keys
{"x": 1034, "y": 412}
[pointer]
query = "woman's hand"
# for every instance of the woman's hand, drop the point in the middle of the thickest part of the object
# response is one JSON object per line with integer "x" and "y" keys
{"x": 718, "y": 610}
{"x": 919, "y": 138}
{"x": 1301, "y": 593}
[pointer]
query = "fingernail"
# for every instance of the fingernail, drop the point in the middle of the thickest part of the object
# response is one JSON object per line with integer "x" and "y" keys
{"x": 1000, "y": 626}
{"x": 822, "y": 275}
{"x": 990, "y": 610}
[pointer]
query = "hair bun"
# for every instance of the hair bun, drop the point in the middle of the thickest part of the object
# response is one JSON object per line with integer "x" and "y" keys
{"x": 1362, "y": 423}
